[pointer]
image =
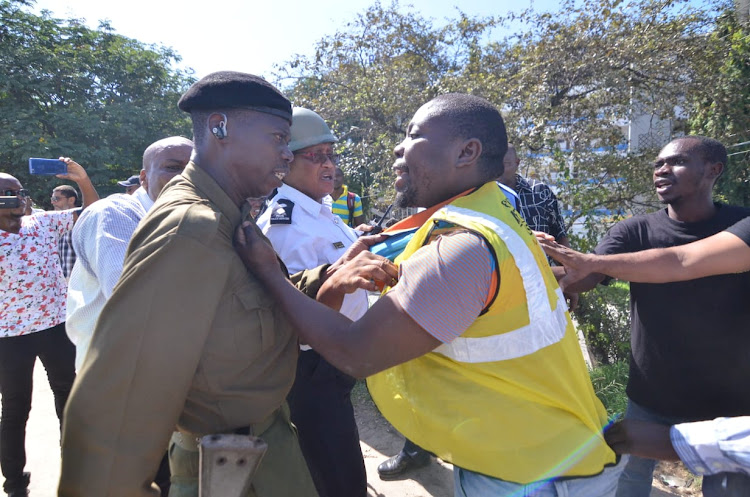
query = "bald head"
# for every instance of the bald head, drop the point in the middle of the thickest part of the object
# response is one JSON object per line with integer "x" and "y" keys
{"x": 162, "y": 161}
{"x": 7, "y": 177}
{"x": 158, "y": 146}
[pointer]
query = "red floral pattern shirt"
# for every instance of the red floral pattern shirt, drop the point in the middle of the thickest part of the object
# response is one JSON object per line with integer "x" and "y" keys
{"x": 33, "y": 289}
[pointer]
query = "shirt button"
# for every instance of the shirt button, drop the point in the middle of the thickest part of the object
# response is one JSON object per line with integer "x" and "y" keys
{"x": 700, "y": 469}
{"x": 335, "y": 220}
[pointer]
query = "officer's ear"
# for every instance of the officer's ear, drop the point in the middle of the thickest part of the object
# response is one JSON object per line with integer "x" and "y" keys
{"x": 469, "y": 152}
{"x": 217, "y": 123}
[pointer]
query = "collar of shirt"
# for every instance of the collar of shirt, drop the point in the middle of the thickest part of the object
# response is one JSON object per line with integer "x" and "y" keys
{"x": 142, "y": 196}
{"x": 522, "y": 184}
{"x": 212, "y": 191}
{"x": 309, "y": 205}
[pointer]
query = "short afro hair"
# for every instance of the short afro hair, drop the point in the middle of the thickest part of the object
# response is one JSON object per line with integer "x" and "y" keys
{"x": 66, "y": 191}
{"x": 470, "y": 116}
{"x": 712, "y": 151}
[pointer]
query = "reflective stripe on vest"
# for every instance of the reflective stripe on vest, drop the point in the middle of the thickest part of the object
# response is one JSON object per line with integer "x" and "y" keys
{"x": 546, "y": 325}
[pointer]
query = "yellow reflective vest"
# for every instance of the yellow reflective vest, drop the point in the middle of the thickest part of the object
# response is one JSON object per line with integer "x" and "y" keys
{"x": 511, "y": 397}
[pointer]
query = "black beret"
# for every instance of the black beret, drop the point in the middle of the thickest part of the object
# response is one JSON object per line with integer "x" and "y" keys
{"x": 235, "y": 90}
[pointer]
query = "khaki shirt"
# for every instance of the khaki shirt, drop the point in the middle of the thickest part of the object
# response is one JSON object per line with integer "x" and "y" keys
{"x": 188, "y": 339}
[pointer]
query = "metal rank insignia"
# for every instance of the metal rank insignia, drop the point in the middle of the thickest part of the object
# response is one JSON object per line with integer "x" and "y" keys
{"x": 338, "y": 245}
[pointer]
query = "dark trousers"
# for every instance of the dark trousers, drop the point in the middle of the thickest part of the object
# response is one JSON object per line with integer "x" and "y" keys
{"x": 322, "y": 410}
{"x": 17, "y": 358}
{"x": 726, "y": 485}
{"x": 163, "y": 476}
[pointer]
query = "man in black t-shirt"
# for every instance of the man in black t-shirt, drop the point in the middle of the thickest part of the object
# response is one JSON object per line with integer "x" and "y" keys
{"x": 690, "y": 356}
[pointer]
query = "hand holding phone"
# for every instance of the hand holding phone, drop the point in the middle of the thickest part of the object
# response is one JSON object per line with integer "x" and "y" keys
{"x": 47, "y": 166}
{"x": 9, "y": 202}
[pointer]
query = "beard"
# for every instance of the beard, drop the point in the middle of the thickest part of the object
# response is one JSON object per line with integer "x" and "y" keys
{"x": 406, "y": 198}
{"x": 406, "y": 193}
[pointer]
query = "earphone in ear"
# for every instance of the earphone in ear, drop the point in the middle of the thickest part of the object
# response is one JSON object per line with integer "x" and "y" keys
{"x": 220, "y": 131}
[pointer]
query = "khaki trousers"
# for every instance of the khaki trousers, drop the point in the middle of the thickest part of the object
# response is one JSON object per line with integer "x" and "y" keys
{"x": 282, "y": 472}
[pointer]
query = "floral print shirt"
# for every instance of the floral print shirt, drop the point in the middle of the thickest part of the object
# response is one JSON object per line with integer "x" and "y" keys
{"x": 32, "y": 286}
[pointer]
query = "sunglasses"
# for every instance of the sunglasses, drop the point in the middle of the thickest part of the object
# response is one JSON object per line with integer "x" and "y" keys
{"x": 16, "y": 193}
{"x": 317, "y": 158}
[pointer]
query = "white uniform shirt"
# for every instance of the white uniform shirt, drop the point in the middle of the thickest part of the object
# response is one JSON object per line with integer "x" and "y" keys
{"x": 306, "y": 234}
{"x": 100, "y": 239}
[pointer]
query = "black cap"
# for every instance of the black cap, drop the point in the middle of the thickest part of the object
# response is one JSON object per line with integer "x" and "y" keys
{"x": 235, "y": 90}
{"x": 131, "y": 181}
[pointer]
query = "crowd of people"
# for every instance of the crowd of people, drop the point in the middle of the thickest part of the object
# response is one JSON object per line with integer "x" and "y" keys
{"x": 226, "y": 292}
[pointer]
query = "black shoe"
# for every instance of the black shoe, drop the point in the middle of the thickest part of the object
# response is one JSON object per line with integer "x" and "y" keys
{"x": 18, "y": 489}
{"x": 393, "y": 468}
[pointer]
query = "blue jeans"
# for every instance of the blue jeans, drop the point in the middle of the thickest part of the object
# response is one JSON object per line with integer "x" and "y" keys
{"x": 639, "y": 472}
{"x": 636, "y": 478}
{"x": 470, "y": 484}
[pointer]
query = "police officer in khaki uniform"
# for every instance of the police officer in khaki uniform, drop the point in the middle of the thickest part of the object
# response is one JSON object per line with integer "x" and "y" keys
{"x": 188, "y": 340}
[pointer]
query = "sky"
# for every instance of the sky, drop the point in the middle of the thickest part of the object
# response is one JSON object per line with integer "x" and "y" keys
{"x": 250, "y": 35}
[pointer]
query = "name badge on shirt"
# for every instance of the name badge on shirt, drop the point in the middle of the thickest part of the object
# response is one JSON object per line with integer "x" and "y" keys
{"x": 338, "y": 245}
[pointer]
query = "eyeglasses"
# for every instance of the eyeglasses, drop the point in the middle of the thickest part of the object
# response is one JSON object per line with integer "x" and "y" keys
{"x": 56, "y": 199}
{"x": 317, "y": 158}
{"x": 16, "y": 193}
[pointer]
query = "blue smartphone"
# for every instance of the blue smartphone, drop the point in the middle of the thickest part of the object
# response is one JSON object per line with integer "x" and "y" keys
{"x": 47, "y": 166}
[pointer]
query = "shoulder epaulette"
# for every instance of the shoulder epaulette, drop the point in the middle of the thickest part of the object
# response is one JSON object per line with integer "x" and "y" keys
{"x": 282, "y": 212}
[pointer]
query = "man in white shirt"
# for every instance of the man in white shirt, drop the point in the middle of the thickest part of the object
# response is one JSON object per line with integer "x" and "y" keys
{"x": 102, "y": 234}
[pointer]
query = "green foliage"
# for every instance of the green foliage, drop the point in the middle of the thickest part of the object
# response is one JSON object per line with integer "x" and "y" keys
{"x": 724, "y": 111}
{"x": 368, "y": 80}
{"x": 603, "y": 316}
{"x": 93, "y": 95}
{"x": 609, "y": 384}
{"x": 566, "y": 85}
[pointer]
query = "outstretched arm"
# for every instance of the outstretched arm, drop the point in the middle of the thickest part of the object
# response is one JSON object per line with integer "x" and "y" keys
{"x": 641, "y": 438}
{"x": 719, "y": 254}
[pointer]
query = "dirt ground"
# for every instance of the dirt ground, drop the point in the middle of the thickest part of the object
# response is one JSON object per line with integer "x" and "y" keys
{"x": 379, "y": 441}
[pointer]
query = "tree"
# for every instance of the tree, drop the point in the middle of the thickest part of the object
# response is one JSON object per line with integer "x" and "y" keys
{"x": 92, "y": 95}
{"x": 723, "y": 111}
{"x": 577, "y": 77}
{"x": 567, "y": 86}
{"x": 368, "y": 80}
